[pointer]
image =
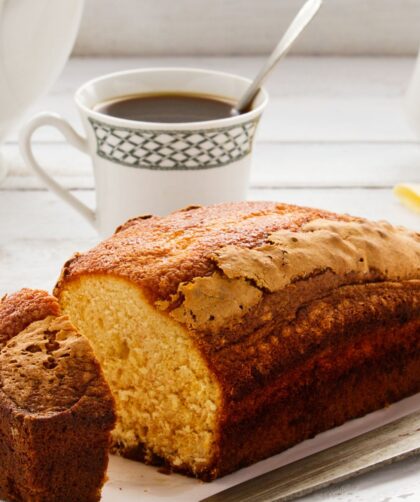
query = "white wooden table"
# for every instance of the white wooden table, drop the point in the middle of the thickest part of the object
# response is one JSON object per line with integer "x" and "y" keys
{"x": 334, "y": 136}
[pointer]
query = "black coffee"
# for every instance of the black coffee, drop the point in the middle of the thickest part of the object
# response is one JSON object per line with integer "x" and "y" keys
{"x": 167, "y": 108}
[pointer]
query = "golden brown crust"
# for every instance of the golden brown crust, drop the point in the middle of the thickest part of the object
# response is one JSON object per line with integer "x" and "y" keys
{"x": 19, "y": 310}
{"x": 56, "y": 410}
{"x": 159, "y": 253}
{"x": 187, "y": 262}
{"x": 49, "y": 367}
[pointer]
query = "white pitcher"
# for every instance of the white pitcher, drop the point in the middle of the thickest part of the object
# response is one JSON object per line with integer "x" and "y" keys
{"x": 36, "y": 39}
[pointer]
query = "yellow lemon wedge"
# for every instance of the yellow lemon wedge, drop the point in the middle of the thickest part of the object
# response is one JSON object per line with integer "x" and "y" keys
{"x": 409, "y": 195}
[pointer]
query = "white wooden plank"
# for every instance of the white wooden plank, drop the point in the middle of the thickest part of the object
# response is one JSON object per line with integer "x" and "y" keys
{"x": 38, "y": 232}
{"x": 35, "y": 263}
{"x": 376, "y": 204}
{"x": 245, "y": 26}
{"x": 312, "y": 99}
{"x": 70, "y": 167}
{"x": 335, "y": 119}
{"x": 394, "y": 483}
{"x": 41, "y": 216}
{"x": 275, "y": 165}
{"x": 330, "y": 165}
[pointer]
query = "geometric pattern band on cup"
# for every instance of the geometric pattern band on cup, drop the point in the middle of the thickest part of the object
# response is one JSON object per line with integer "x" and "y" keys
{"x": 176, "y": 149}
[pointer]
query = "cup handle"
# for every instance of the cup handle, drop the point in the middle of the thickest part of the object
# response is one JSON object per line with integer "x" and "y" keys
{"x": 54, "y": 120}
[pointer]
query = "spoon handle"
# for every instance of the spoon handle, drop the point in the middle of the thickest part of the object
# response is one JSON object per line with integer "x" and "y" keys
{"x": 299, "y": 23}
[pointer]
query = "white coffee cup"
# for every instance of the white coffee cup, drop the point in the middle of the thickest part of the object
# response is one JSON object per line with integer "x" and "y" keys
{"x": 151, "y": 167}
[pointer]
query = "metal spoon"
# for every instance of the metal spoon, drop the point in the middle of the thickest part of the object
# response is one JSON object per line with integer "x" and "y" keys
{"x": 299, "y": 23}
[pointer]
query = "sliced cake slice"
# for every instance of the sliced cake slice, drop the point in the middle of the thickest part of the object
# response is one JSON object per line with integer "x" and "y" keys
{"x": 56, "y": 409}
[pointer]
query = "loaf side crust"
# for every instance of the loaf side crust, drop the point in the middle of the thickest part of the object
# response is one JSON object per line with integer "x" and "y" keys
{"x": 346, "y": 354}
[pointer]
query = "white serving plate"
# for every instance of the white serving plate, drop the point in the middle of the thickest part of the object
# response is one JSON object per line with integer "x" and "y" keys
{"x": 131, "y": 481}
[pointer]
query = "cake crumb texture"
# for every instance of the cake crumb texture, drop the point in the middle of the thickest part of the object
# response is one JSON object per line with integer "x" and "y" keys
{"x": 166, "y": 396}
